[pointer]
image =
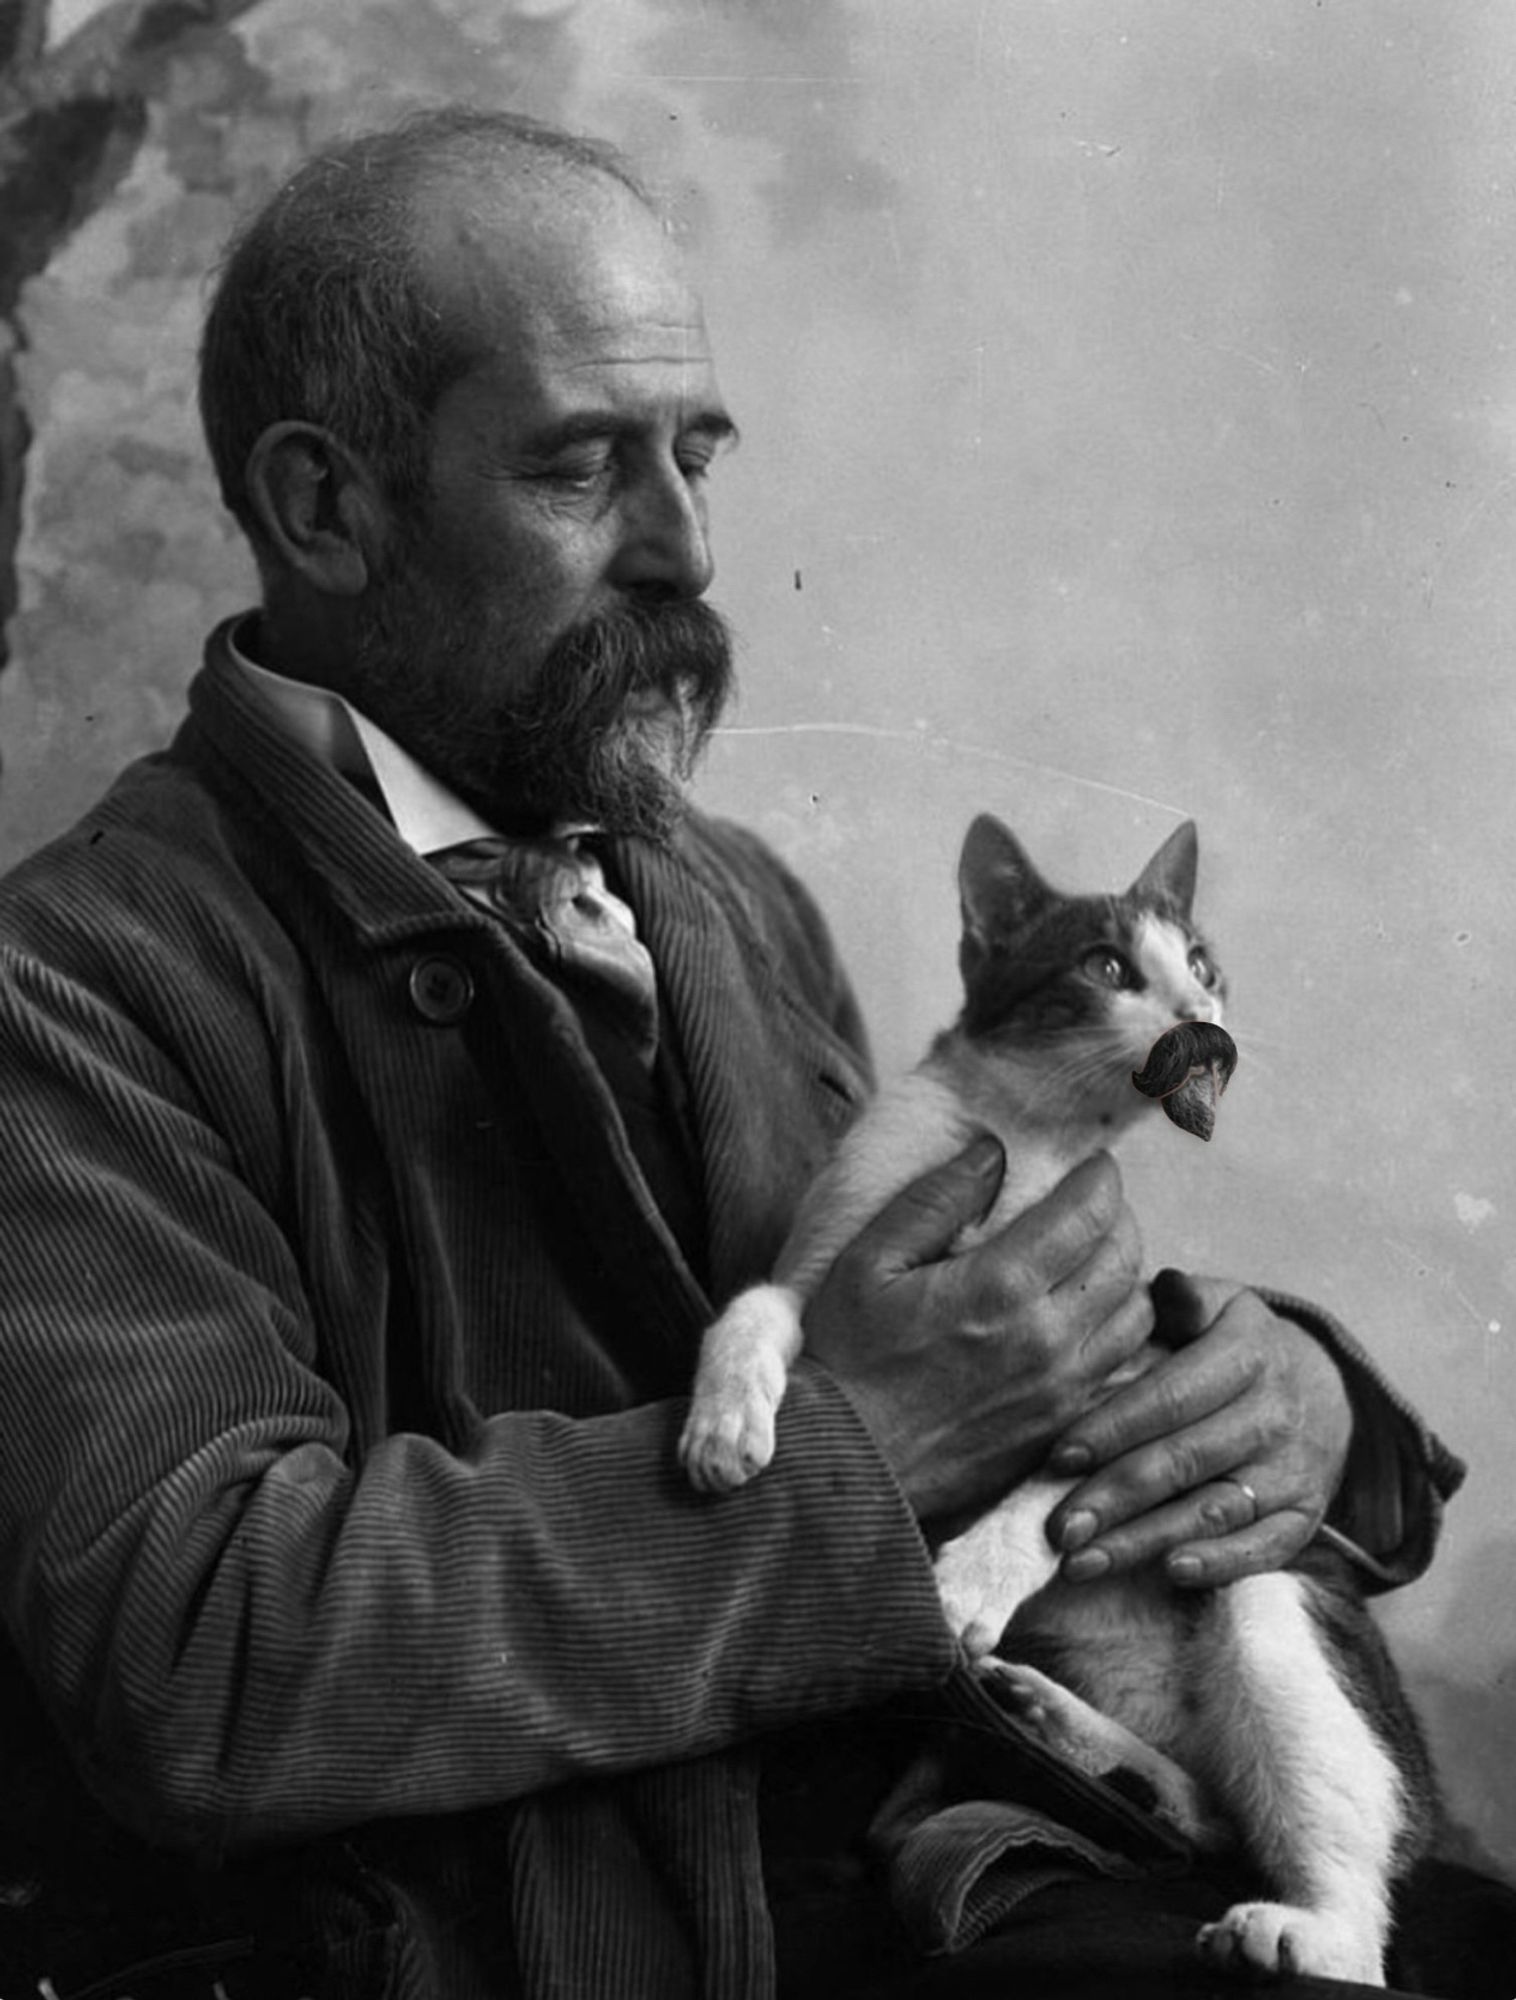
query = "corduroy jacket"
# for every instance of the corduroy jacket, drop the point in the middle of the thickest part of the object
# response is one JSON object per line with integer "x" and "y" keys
{"x": 341, "y": 1350}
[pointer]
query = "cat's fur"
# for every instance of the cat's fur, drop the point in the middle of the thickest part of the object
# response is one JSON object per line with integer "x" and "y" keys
{"x": 1262, "y": 1712}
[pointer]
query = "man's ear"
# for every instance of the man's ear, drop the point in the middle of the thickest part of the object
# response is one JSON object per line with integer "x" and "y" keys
{"x": 319, "y": 507}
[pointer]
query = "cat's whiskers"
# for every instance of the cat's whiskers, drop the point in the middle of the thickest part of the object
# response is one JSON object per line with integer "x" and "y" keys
{"x": 1098, "y": 1062}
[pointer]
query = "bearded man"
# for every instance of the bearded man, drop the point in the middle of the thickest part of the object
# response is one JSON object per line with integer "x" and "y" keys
{"x": 398, "y": 1075}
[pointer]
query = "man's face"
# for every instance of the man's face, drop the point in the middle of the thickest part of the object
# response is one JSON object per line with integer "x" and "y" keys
{"x": 536, "y": 636}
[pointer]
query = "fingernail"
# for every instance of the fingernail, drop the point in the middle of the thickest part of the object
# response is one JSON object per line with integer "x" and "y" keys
{"x": 1078, "y": 1529}
{"x": 1185, "y": 1569}
{"x": 1084, "y": 1568}
{"x": 1072, "y": 1458}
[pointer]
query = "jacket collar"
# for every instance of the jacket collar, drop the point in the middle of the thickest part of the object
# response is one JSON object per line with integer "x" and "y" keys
{"x": 728, "y": 997}
{"x": 342, "y": 837}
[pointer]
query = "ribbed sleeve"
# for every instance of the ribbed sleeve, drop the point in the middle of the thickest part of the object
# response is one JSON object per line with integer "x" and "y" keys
{"x": 1399, "y": 1473}
{"x": 249, "y": 1632}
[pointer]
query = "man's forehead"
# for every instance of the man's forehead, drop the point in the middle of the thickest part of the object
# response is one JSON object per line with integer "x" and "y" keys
{"x": 570, "y": 267}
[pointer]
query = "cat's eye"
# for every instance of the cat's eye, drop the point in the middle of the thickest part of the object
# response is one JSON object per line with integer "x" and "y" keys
{"x": 1110, "y": 968}
{"x": 1202, "y": 968}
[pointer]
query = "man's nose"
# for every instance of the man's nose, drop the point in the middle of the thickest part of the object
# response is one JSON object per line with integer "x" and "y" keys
{"x": 665, "y": 540}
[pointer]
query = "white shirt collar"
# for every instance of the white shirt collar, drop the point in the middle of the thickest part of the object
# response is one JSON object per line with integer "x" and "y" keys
{"x": 427, "y": 816}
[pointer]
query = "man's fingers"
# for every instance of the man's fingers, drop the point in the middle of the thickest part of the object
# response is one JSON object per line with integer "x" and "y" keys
{"x": 1269, "y": 1544}
{"x": 1209, "y": 1512}
{"x": 1051, "y": 1241}
{"x": 1187, "y": 1306}
{"x": 1138, "y": 1504}
{"x": 1112, "y": 1259}
{"x": 1118, "y": 1319}
{"x": 1220, "y": 1461}
{"x": 920, "y": 1224}
{"x": 1056, "y": 1237}
{"x": 1214, "y": 1535}
{"x": 1159, "y": 1410}
{"x": 967, "y": 1360}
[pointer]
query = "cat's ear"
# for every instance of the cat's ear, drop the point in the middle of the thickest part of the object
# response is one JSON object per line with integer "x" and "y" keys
{"x": 998, "y": 887}
{"x": 1170, "y": 876}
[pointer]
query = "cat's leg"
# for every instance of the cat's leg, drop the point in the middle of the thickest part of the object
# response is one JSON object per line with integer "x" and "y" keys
{"x": 746, "y": 1356}
{"x": 1103, "y": 1747}
{"x": 985, "y": 1574}
{"x": 745, "y": 1359}
{"x": 1315, "y": 1793}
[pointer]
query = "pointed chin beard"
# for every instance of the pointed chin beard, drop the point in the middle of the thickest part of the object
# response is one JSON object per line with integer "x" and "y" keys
{"x": 632, "y": 779}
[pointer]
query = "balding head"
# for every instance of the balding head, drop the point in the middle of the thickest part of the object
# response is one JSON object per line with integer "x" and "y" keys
{"x": 461, "y": 394}
{"x": 339, "y": 304}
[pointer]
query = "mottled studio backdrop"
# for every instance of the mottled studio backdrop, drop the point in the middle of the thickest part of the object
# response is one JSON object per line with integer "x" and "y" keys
{"x": 1130, "y": 407}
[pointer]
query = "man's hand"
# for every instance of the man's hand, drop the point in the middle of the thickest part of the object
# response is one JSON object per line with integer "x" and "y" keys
{"x": 1221, "y": 1461}
{"x": 967, "y": 1367}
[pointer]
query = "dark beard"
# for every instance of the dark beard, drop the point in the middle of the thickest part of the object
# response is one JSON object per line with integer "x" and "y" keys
{"x": 569, "y": 748}
{"x": 576, "y": 750}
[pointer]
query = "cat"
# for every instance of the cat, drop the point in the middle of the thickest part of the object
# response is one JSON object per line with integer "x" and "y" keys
{"x": 1265, "y": 1713}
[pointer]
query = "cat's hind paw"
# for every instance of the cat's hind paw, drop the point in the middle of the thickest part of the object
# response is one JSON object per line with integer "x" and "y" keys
{"x": 1103, "y": 1747}
{"x": 1036, "y": 1699}
{"x": 1063, "y": 1721}
{"x": 1282, "y": 1939}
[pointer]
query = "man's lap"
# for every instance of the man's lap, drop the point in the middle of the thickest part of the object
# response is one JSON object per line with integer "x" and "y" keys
{"x": 1104, "y": 1940}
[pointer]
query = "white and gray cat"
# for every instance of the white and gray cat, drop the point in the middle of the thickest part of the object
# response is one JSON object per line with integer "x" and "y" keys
{"x": 1265, "y": 1714}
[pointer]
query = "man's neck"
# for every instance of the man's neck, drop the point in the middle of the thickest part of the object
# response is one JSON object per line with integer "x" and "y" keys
{"x": 311, "y": 645}
{"x": 426, "y": 815}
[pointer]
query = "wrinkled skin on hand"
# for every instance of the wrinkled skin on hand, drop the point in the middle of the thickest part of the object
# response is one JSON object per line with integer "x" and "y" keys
{"x": 1244, "y": 1396}
{"x": 968, "y": 1367}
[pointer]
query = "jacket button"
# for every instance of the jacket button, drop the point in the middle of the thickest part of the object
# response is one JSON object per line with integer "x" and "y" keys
{"x": 442, "y": 990}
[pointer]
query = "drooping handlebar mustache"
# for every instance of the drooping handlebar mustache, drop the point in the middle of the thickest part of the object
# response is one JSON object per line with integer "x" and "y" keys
{"x": 1187, "y": 1069}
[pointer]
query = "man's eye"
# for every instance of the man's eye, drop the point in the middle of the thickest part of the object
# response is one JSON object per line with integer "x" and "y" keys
{"x": 580, "y": 472}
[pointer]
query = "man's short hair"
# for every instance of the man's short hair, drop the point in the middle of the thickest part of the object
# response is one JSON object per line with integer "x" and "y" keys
{"x": 320, "y": 313}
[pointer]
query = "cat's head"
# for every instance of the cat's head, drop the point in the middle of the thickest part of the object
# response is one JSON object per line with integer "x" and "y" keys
{"x": 1111, "y": 973}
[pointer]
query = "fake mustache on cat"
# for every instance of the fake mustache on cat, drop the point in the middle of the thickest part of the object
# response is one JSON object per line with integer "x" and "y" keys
{"x": 1187, "y": 1069}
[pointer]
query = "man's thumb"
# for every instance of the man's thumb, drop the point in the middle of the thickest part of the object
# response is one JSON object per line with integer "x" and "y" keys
{"x": 923, "y": 1221}
{"x": 1184, "y": 1305}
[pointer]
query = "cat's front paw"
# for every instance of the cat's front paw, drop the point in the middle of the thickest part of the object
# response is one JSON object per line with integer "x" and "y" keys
{"x": 970, "y": 1603}
{"x": 1295, "y": 1943}
{"x": 725, "y": 1441}
{"x": 739, "y": 1385}
{"x": 1000, "y": 1560}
